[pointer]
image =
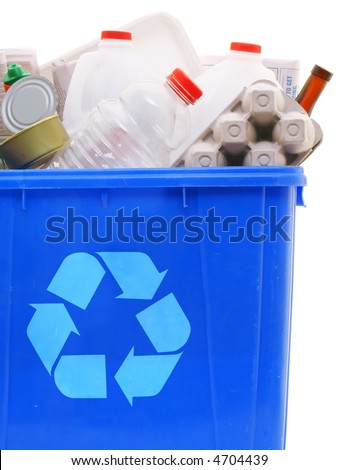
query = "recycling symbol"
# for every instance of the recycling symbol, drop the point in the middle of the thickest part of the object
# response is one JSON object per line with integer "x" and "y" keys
{"x": 85, "y": 376}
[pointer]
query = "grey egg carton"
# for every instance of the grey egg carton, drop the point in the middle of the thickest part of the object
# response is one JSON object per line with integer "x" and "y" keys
{"x": 262, "y": 126}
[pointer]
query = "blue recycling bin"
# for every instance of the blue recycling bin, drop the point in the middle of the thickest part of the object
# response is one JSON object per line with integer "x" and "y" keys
{"x": 146, "y": 309}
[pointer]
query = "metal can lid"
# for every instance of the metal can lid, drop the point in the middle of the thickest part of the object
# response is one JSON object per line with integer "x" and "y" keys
{"x": 27, "y": 101}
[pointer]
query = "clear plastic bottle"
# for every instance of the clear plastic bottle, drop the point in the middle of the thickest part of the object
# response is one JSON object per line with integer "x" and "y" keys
{"x": 103, "y": 74}
{"x": 222, "y": 83}
{"x": 139, "y": 129}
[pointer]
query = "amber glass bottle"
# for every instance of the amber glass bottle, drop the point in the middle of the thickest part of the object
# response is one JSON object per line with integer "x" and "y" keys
{"x": 313, "y": 87}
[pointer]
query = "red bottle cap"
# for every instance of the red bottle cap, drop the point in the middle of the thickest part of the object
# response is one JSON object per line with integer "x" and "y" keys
{"x": 245, "y": 47}
{"x": 124, "y": 35}
{"x": 184, "y": 86}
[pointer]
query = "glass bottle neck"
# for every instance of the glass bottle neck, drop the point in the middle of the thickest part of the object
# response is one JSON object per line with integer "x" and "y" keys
{"x": 313, "y": 88}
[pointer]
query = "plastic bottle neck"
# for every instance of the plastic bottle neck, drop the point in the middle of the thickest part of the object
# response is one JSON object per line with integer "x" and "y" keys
{"x": 241, "y": 55}
{"x": 178, "y": 93}
{"x": 106, "y": 43}
{"x": 183, "y": 87}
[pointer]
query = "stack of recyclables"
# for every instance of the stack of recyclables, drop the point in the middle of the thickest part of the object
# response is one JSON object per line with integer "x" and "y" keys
{"x": 241, "y": 68}
{"x": 162, "y": 317}
{"x": 92, "y": 87}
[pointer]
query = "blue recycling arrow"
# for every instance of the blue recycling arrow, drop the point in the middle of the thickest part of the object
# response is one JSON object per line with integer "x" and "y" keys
{"x": 48, "y": 331}
{"x": 135, "y": 273}
{"x": 145, "y": 376}
{"x": 77, "y": 279}
{"x": 82, "y": 376}
{"x": 165, "y": 324}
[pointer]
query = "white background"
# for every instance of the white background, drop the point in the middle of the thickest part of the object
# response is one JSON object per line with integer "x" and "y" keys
{"x": 285, "y": 29}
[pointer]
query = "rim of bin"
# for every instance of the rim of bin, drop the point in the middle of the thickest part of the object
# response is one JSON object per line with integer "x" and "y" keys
{"x": 153, "y": 178}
